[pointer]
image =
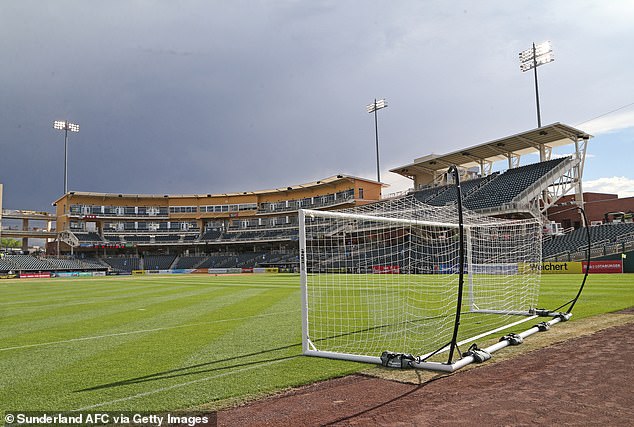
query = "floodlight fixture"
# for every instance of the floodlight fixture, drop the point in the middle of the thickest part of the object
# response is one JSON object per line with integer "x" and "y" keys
{"x": 373, "y": 108}
{"x": 376, "y": 105}
{"x": 530, "y": 59}
{"x": 66, "y": 126}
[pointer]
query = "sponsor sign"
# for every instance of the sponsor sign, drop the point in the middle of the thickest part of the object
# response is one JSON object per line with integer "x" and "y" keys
{"x": 571, "y": 267}
{"x": 66, "y": 274}
{"x": 266, "y": 270}
{"x": 604, "y": 266}
{"x": 503, "y": 269}
{"x": 8, "y": 276}
{"x": 386, "y": 269}
{"x": 35, "y": 275}
{"x": 575, "y": 267}
{"x": 119, "y": 273}
{"x": 138, "y": 272}
{"x": 225, "y": 270}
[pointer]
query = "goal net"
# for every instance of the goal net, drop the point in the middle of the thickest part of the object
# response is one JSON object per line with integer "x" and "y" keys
{"x": 385, "y": 277}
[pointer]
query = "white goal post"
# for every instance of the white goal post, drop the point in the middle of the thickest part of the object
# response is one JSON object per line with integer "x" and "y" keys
{"x": 386, "y": 277}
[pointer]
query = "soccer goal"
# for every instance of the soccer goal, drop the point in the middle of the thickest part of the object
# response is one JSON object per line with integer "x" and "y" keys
{"x": 402, "y": 280}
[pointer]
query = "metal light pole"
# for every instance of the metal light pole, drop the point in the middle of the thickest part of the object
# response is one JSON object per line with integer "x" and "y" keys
{"x": 66, "y": 126}
{"x": 531, "y": 59}
{"x": 373, "y": 108}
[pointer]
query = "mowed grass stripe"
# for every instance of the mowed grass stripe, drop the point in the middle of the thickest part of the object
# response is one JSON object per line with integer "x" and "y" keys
{"x": 204, "y": 364}
{"x": 26, "y": 310}
{"x": 227, "y": 368}
{"x": 92, "y": 361}
{"x": 179, "y": 347}
{"x": 44, "y": 288}
{"x": 141, "y": 331}
{"x": 63, "y": 322}
{"x": 69, "y": 292}
{"x": 104, "y": 305}
{"x": 167, "y": 312}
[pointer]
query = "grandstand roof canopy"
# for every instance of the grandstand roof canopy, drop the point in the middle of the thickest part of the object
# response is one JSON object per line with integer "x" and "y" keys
{"x": 553, "y": 135}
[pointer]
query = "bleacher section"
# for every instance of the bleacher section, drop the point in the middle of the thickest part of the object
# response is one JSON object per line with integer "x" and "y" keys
{"x": 28, "y": 263}
{"x": 237, "y": 260}
{"x": 32, "y": 263}
{"x": 449, "y": 195}
{"x": 158, "y": 262}
{"x": 126, "y": 264}
{"x": 505, "y": 187}
{"x": 189, "y": 262}
{"x": 491, "y": 191}
{"x": 575, "y": 241}
{"x": 91, "y": 237}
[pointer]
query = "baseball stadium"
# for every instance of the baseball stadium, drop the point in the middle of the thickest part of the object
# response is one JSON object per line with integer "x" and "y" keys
{"x": 214, "y": 302}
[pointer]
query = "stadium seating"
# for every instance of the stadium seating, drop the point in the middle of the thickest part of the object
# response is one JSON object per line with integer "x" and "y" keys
{"x": 91, "y": 237}
{"x": 189, "y": 261}
{"x": 32, "y": 263}
{"x": 166, "y": 238}
{"x": 426, "y": 194}
{"x": 125, "y": 264}
{"x": 27, "y": 263}
{"x": 505, "y": 187}
{"x": 577, "y": 240}
{"x": 158, "y": 262}
{"x": 449, "y": 195}
{"x": 211, "y": 235}
{"x": 137, "y": 238}
{"x": 491, "y": 191}
{"x": 5, "y": 266}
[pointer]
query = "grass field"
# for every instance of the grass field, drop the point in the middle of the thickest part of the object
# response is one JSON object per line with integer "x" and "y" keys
{"x": 175, "y": 342}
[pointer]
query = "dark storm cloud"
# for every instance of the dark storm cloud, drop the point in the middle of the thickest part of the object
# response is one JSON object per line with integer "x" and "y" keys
{"x": 211, "y": 97}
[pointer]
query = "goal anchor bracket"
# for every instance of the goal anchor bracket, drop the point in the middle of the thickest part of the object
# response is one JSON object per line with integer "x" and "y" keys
{"x": 396, "y": 360}
{"x": 480, "y": 355}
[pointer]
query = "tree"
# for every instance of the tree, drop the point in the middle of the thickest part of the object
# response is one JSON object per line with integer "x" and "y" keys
{"x": 9, "y": 243}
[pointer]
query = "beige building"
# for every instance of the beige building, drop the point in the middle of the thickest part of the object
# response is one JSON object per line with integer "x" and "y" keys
{"x": 88, "y": 220}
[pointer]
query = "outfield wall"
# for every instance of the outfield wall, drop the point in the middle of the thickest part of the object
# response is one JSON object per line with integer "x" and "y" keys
{"x": 628, "y": 261}
{"x": 577, "y": 267}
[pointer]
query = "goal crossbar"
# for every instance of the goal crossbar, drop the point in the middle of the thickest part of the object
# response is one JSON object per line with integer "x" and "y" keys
{"x": 330, "y": 214}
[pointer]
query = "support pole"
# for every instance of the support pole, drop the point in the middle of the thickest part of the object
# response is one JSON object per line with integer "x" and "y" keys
{"x": 461, "y": 265}
{"x": 539, "y": 117}
{"x": 66, "y": 160}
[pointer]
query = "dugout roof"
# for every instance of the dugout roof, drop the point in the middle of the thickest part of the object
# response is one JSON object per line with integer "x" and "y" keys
{"x": 535, "y": 140}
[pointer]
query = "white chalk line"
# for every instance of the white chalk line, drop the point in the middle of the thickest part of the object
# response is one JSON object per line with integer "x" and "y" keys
{"x": 142, "y": 331}
{"x": 159, "y": 390}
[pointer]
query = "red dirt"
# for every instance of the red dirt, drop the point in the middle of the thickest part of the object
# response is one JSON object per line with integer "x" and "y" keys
{"x": 583, "y": 381}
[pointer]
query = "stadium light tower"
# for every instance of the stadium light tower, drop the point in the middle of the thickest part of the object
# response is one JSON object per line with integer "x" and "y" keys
{"x": 373, "y": 108}
{"x": 532, "y": 58}
{"x": 66, "y": 126}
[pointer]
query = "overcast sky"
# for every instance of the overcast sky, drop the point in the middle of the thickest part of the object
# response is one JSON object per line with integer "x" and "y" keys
{"x": 205, "y": 97}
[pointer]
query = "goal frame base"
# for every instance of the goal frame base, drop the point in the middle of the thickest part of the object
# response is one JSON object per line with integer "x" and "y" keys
{"x": 439, "y": 366}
